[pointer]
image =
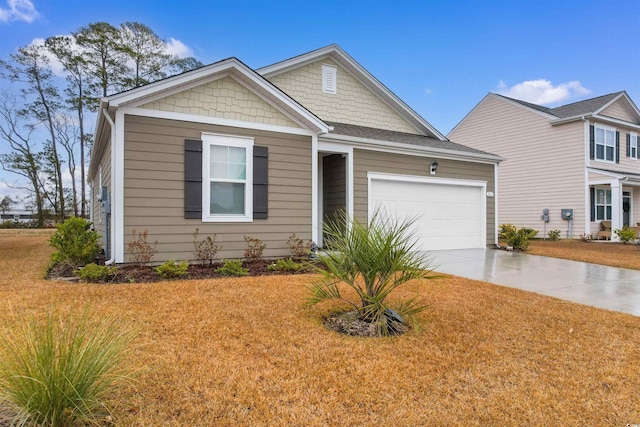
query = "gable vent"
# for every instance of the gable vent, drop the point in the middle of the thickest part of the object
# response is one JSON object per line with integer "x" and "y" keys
{"x": 329, "y": 79}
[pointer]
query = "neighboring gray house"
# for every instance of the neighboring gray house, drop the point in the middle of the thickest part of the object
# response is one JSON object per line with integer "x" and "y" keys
{"x": 582, "y": 156}
{"x": 234, "y": 151}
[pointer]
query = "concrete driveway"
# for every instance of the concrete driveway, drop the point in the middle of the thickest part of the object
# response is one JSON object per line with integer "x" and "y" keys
{"x": 596, "y": 285}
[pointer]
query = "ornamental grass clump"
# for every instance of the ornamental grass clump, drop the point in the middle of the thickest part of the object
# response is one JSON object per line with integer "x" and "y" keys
{"x": 60, "y": 370}
{"x": 372, "y": 260}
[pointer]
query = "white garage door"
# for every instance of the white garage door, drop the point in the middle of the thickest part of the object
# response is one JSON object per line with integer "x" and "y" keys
{"x": 450, "y": 214}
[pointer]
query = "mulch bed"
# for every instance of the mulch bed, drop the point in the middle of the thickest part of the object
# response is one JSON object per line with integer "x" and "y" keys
{"x": 348, "y": 323}
{"x": 145, "y": 274}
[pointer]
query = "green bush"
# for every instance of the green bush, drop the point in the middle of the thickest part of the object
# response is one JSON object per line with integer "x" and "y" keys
{"x": 171, "y": 269}
{"x": 288, "y": 265}
{"x": 517, "y": 238}
{"x": 93, "y": 273}
{"x": 75, "y": 242}
{"x": 373, "y": 260}
{"x": 625, "y": 235}
{"x": 554, "y": 235}
{"x": 61, "y": 370}
{"x": 232, "y": 268}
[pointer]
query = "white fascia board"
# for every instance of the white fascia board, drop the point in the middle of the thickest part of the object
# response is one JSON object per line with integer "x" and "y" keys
{"x": 219, "y": 121}
{"x": 232, "y": 66}
{"x": 607, "y": 173}
{"x": 613, "y": 121}
{"x": 362, "y": 75}
{"x": 400, "y": 148}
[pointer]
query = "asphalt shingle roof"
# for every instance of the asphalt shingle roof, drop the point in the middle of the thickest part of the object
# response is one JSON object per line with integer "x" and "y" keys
{"x": 574, "y": 109}
{"x": 401, "y": 137}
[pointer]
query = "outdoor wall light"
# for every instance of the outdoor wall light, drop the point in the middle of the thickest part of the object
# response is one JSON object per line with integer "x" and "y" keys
{"x": 434, "y": 167}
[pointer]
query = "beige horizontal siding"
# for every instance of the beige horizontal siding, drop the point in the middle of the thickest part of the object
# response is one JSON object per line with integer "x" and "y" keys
{"x": 627, "y": 164}
{"x": 365, "y": 161}
{"x": 105, "y": 164}
{"x": 154, "y": 186}
{"x": 544, "y": 166}
{"x": 618, "y": 110}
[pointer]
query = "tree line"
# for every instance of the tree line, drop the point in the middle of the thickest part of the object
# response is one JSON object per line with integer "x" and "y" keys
{"x": 42, "y": 120}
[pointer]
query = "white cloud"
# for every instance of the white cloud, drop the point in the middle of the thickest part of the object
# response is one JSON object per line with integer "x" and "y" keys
{"x": 55, "y": 65}
{"x": 542, "y": 91}
{"x": 428, "y": 91}
{"x": 19, "y": 10}
{"x": 176, "y": 47}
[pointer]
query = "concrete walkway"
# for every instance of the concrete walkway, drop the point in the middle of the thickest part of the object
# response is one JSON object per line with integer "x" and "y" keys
{"x": 596, "y": 285}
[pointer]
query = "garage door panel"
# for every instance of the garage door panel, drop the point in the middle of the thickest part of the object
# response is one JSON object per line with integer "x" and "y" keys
{"x": 447, "y": 216}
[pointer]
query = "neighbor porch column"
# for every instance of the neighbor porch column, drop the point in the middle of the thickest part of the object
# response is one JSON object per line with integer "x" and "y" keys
{"x": 616, "y": 208}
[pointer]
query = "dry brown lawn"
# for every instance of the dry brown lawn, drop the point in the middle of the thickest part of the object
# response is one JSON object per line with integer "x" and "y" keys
{"x": 604, "y": 253}
{"x": 244, "y": 352}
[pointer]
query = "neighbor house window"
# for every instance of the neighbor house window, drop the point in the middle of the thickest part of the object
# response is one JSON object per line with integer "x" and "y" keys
{"x": 329, "y": 79}
{"x": 605, "y": 140}
{"x": 633, "y": 146}
{"x": 603, "y": 205}
{"x": 227, "y": 178}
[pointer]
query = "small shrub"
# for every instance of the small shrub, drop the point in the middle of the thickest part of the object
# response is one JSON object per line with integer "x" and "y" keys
{"x": 298, "y": 247}
{"x": 518, "y": 238}
{"x": 288, "y": 265}
{"x": 625, "y": 235}
{"x": 554, "y": 235}
{"x": 255, "y": 247}
{"x": 232, "y": 268}
{"x": 75, "y": 242}
{"x": 60, "y": 371}
{"x": 205, "y": 250}
{"x": 140, "y": 250}
{"x": 94, "y": 273}
{"x": 171, "y": 269}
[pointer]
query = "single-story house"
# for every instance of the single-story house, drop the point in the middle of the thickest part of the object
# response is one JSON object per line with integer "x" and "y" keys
{"x": 235, "y": 152}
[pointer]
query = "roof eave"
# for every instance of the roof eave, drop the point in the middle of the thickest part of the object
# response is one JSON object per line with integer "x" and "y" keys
{"x": 372, "y": 143}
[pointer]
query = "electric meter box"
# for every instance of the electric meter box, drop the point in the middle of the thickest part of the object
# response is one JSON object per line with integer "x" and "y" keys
{"x": 567, "y": 214}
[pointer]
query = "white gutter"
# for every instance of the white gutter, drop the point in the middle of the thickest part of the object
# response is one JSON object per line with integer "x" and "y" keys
{"x": 106, "y": 115}
{"x": 597, "y": 117}
{"x": 411, "y": 148}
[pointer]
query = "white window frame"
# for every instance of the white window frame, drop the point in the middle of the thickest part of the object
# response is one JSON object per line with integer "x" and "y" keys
{"x": 633, "y": 146}
{"x": 329, "y": 79}
{"x": 604, "y": 144}
{"x": 209, "y": 140}
{"x": 604, "y": 205}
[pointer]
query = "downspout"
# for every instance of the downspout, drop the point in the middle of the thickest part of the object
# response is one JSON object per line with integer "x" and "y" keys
{"x": 112, "y": 125}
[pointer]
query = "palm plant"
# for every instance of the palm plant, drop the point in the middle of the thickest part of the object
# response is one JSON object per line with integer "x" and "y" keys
{"x": 373, "y": 260}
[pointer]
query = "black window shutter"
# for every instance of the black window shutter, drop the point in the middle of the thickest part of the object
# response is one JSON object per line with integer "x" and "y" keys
{"x": 260, "y": 182}
{"x": 592, "y": 192}
{"x": 628, "y": 145}
{"x": 592, "y": 142}
{"x": 617, "y": 147}
{"x": 192, "y": 179}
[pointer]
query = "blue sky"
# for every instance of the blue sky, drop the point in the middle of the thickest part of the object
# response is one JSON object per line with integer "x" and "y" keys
{"x": 440, "y": 57}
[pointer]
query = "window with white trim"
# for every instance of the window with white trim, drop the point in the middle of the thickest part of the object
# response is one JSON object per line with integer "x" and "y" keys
{"x": 227, "y": 178}
{"x": 633, "y": 145}
{"x": 329, "y": 79}
{"x": 603, "y": 204}
{"x": 605, "y": 141}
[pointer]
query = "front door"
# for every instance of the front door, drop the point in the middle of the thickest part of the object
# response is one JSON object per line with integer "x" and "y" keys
{"x": 626, "y": 208}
